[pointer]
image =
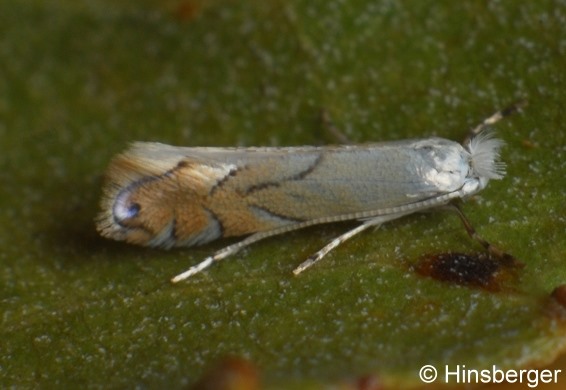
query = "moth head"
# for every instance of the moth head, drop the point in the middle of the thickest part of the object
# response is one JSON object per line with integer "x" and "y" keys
{"x": 444, "y": 164}
{"x": 484, "y": 152}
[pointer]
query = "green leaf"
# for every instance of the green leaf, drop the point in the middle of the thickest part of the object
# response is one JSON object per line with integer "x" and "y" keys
{"x": 82, "y": 79}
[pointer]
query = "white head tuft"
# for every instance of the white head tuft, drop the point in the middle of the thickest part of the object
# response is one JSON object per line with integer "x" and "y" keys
{"x": 484, "y": 151}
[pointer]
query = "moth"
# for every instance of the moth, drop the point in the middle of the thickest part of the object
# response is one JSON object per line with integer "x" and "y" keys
{"x": 166, "y": 196}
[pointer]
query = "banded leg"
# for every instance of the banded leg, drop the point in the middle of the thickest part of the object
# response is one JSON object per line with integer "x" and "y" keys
{"x": 374, "y": 221}
{"x": 219, "y": 255}
{"x": 331, "y": 245}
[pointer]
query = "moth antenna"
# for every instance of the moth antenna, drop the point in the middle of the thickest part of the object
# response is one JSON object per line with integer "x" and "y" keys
{"x": 517, "y": 107}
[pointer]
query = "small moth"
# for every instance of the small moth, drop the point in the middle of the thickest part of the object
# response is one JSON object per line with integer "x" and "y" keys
{"x": 165, "y": 196}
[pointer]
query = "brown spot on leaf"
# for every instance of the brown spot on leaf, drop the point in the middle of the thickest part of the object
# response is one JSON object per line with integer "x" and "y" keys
{"x": 368, "y": 382}
{"x": 559, "y": 295}
{"x": 555, "y": 305}
{"x": 230, "y": 373}
{"x": 474, "y": 270}
{"x": 186, "y": 10}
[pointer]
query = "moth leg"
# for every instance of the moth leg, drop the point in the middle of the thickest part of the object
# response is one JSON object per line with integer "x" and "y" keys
{"x": 234, "y": 248}
{"x": 494, "y": 119}
{"x": 333, "y": 244}
{"x": 194, "y": 270}
{"x": 217, "y": 256}
{"x": 491, "y": 249}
